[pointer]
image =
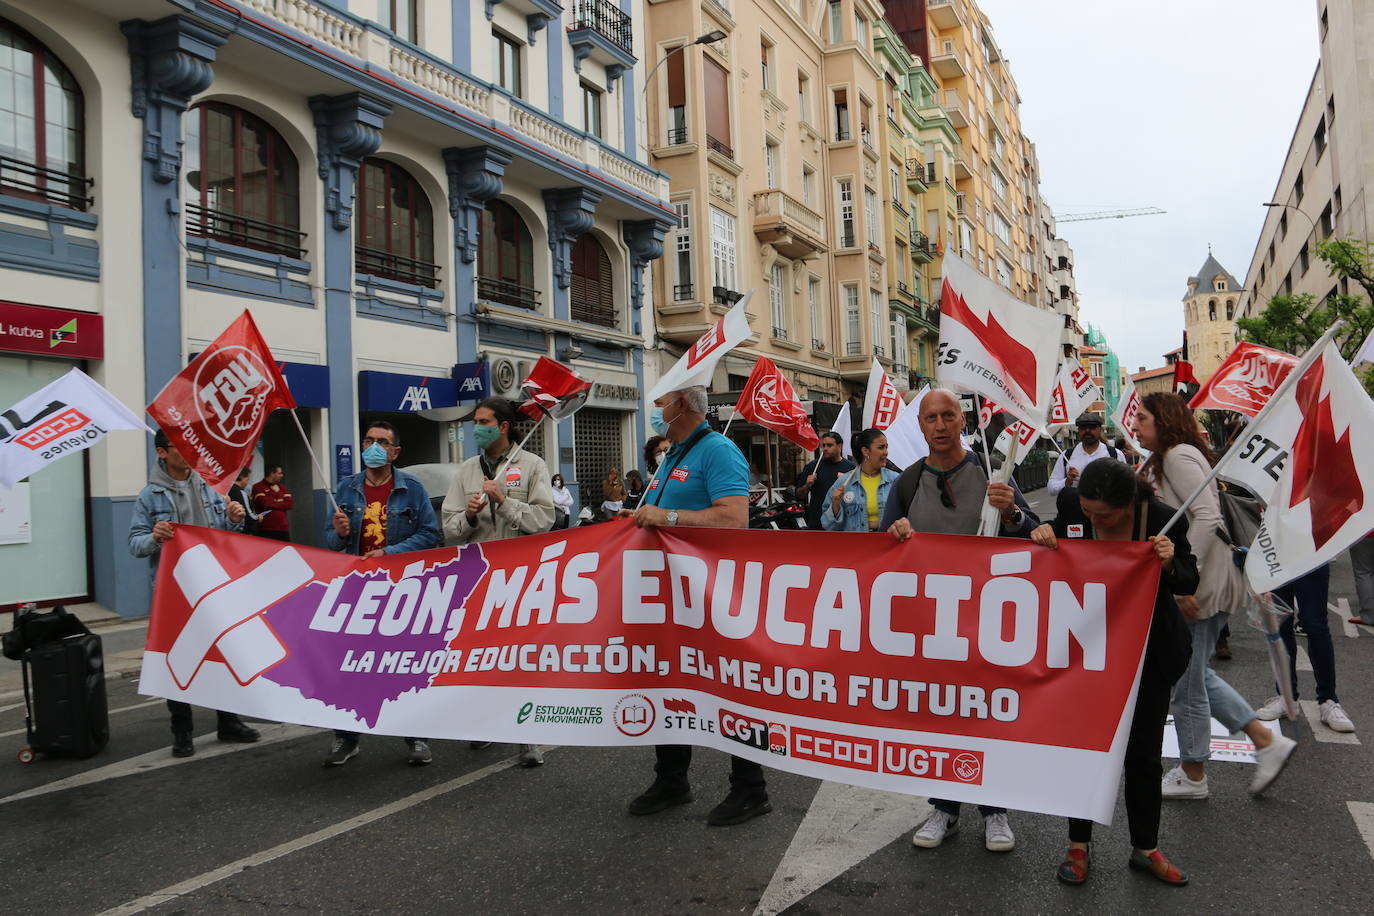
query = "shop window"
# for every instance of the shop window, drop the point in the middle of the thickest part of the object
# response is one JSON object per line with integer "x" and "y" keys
{"x": 396, "y": 231}
{"x": 42, "y": 124}
{"x": 505, "y": 257}
{"x": 592, "y": 295}
{"x": 244, "y": 180}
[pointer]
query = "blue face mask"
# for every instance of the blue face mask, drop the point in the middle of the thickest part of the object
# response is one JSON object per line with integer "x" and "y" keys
{"x": 484, "y": 436}
{"x": 657, "y": 423}
{"x": 374, "y": 456}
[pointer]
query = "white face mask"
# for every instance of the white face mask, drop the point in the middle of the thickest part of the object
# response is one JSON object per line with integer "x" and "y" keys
{"x": 658, "y": 459}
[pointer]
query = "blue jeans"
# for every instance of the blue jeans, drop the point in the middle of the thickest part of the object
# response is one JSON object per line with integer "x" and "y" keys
{"x": 1308, "y": 595}
{"x": 1201, "y": 695}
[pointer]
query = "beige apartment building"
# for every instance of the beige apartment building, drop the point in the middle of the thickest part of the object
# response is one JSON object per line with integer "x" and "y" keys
{"x": 1324, "y": 187}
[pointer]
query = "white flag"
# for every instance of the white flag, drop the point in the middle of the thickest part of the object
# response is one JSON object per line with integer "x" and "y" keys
{"x": 906, "y": 444}
{"x": 63, "y": 418}
{"x": 995, "y": 345}
{"x": 699, "y": 362}
{"x": 1124, "y": 415}
{"x": 1074, "y": 392}
{"x": 843, "y": 429}
{"x": 1366, "y": 352}
{"x": 1322, "y": 498}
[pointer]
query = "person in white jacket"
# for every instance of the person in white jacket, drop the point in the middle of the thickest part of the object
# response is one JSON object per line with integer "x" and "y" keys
{"x": 1089, "y": 448}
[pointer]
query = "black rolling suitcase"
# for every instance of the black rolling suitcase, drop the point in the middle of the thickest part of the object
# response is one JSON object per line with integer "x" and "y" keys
{"x": 64, "y": 684}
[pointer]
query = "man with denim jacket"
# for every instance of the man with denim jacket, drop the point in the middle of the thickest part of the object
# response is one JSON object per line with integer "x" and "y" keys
{"x": 176, "y": 495}
{"x": 380, "y": 511}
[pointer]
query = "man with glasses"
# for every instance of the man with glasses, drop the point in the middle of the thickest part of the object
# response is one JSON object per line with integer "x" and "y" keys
{"x": 943, "y": 494}
{"x": 380, "y": 511}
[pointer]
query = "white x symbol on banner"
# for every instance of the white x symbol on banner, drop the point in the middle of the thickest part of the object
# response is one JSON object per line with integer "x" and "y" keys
{"x": 227, "y": 613}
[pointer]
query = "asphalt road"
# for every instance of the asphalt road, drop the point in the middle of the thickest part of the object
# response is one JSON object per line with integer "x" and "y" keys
{"x": 264, "y": 828}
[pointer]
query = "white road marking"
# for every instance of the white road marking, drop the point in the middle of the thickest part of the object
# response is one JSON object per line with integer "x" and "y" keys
{"x": 1303, "y": 663}
{"x": 1320, "y": 731}
{"x": 191, "y": 885}
{"x": 11, "y": 706}
{"x": 207, "y": 747}
{"x": 20, "y": 731}
{"x": 844, "y": 826}
{"x": 1342, "y": 610}
{"x": 1363, "y": 813}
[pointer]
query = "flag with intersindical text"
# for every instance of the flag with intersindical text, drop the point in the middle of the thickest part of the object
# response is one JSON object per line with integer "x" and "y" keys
{"x": 1310, "y": 457}
{"x": 213, "y": 411}
{"x": 995, "y": 345}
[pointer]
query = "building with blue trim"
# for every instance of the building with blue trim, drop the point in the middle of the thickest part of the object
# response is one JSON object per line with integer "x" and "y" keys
{"x": 416, "y": 199}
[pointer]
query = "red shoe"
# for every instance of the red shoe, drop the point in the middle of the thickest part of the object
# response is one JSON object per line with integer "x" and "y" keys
{"x": 1074, "y": 868}
{"x": 1156, "y": 864}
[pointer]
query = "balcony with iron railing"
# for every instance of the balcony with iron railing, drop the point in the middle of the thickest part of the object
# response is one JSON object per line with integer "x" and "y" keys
{"x": 378, "y": 263}
{"x": 677, "y": 136}
{"x": 587, "y": 309}
{"x": 602, "y": 31}
{"x": 719, "y": 146}
{"x": 916, "y": 172}
{"x": 260, "y": 235}
{"x": 921, "y": 250}
{"x": 818, "y": 345}
{"x": 684, "y": 292}
{"x": 505, "y": 292}
{"x": 779, "y": 333}
{"x": 789, "y": 225}
{"x": 25, "y": 179}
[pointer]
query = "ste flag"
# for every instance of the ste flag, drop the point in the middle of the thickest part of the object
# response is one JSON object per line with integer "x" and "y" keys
{"x": 213, "y": 411}
{"x": 1245, "y": 381}
{"x": 699, "y": 362}
{"x": 554, "y": 389}
{"x": 62, "y": 418}
{"x": 995, "y": 345}
{"x": 1308, "y": 457}
{"x": 1074, "y": 392}
{"x": 769, "y": 400}
{"x": 1127, "y": 406}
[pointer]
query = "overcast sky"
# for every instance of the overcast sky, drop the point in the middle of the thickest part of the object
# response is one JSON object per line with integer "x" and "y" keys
{"x": 1186, "y": 105}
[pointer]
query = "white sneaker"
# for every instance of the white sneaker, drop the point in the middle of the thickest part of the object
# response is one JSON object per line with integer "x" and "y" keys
{"x": 530, "y": 756}
{"x": 1333, "y": 717}
{"x": 1271, "y": 760}
{"x": 1176, "y": 784}
{"x": 934, "y": 829}
{"x": 1272, "y": 709}
{"x": 997, "y": 835}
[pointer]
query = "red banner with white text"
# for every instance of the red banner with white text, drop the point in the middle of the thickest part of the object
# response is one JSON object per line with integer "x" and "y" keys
{"x": 942, "y": 666}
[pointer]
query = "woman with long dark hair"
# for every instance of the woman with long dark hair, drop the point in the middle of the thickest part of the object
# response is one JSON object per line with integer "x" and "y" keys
{"x": 1179, "y": 462}
{"x": 1111, "y": 504}
{"x": 856, "y": 500}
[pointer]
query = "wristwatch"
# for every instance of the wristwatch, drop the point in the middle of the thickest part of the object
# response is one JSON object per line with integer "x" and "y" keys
{"x": 672, "y": 516}
{"x": 1018, "y": 518}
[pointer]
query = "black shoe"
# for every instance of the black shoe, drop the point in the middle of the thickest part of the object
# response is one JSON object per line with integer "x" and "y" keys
{"x": 479, "y": 745}
{"x": 661, "y": 795}
{"x": 182, "y": 745}
{"x": 236, "y": 731}
{"x": 1223, "y": 650}
{"x": 342, "y": 751}
{"x": 739, "y": 806}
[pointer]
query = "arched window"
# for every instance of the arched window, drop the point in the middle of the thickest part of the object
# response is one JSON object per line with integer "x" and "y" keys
{"x": 42, "y": 124}
{"x": 1230, "y": 309}
{"x": 245, "y": 184}
{"x": 396, "y": 231}
{"x": 1212, "y": 309}
{"x": 505, "y": 258}
{"x": 592, "y": 296}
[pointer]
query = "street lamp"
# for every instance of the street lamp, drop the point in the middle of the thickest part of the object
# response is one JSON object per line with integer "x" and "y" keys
{"x": 1311, "y": 222}
{"x": 709, "y": 38}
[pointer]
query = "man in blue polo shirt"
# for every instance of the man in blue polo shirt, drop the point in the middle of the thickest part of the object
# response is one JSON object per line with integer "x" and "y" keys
{"x": 704, "y": 483}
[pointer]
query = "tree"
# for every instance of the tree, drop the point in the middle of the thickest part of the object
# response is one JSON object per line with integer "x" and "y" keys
{"x": 1294, "y": 323}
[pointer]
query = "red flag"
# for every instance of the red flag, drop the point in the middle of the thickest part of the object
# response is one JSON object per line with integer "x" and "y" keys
{"x": 769, "y": 400}
{"x": 1183, "y": 376}
{"x": 214, "y": 409}
{"x": 554, "y": 389}
{"x": 1245, "y": 381}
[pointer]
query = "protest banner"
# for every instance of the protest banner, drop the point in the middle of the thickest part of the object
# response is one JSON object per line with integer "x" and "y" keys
{"x": 939, "y": 666}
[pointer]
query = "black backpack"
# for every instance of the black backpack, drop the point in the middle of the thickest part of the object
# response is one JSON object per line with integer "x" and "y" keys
{"x": 32, "y": 629}
{"x": 1111, "y": 453}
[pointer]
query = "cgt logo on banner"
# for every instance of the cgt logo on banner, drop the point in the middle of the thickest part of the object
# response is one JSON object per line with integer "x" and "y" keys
{"x": 938, "y": 666}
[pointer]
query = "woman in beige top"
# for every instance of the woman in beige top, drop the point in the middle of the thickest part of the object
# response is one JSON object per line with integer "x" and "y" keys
{"x": 1180, "y": 462}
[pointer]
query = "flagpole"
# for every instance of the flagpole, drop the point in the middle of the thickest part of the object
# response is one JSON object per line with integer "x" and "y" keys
{"x": 328, "y": 491}
{"x": 505, "y": 459}
{"x": 987, "y": 446}
{"x": 1308, "y": 359}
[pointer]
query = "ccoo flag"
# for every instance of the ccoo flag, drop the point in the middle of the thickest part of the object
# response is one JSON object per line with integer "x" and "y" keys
{"x": 214, "y": 409}
{"x": 60, "y": 419}
{"x": 995, "y": 345}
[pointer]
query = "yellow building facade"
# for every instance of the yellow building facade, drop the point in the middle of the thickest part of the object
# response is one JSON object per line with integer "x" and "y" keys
{"x": 1209, "y": 313}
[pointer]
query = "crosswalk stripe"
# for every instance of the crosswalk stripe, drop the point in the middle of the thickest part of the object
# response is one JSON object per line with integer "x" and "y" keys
{"x": 191, "y": 885}
{"x": 1363, "y": 813}
{"x": 19, "y": 731}
{"x": 1320, "y": 731}
{"x": 1342, "y": 610}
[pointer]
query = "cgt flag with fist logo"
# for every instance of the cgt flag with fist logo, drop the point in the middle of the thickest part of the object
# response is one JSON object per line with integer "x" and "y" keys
{"x": 214, "y": 409}
{"x": 770, "y": 401}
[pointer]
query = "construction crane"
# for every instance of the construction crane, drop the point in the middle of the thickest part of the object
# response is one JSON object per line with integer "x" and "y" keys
{"x": 1109, "y": 214}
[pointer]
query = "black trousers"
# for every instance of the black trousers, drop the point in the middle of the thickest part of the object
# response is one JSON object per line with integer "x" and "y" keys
{"x": 1142, "y": 766}
{"x": 181, "y": 716}
{"x": 674, "y": 759}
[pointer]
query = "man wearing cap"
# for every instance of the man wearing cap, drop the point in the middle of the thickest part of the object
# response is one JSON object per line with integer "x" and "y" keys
{"x": 1088, "y": 449}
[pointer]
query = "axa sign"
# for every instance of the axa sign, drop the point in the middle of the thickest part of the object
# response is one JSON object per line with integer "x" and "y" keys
{"x": 391, "y": 391}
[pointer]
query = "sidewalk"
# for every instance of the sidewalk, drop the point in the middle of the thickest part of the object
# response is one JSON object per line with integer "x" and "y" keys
{"x": 121, "y": 639}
